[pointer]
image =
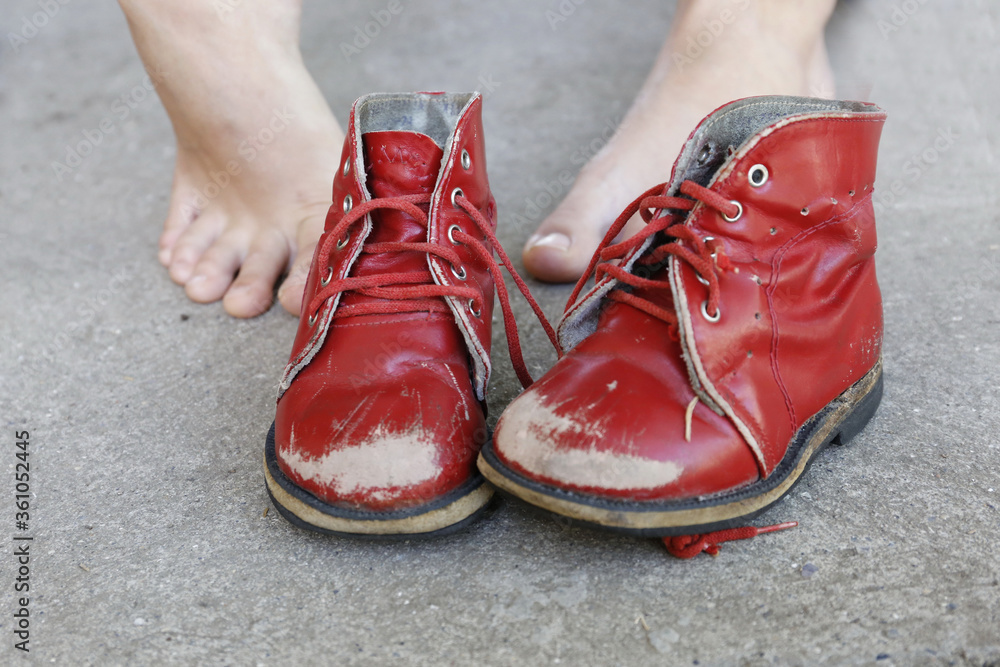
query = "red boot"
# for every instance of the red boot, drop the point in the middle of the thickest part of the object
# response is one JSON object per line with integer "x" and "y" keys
{"x": 723, "y": 346}
{"x": 381, "y": 410}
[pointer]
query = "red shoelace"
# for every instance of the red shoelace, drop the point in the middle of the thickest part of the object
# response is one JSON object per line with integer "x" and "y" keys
{"x": 704, "y": 255}
{"x": 689, "y": 546}
{"x": 416, "y": 291}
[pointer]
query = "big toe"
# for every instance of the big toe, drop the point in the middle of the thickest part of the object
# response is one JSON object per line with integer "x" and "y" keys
{"x": 558, "y": 253}
{"x": 290, "y": 293}
{"x": 253, "y": 290}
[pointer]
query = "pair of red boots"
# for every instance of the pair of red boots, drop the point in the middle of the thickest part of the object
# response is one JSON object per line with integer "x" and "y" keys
{"x": 718, "y": 352}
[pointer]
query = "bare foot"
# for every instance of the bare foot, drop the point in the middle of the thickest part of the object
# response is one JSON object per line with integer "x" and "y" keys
{"x": 257, "y": 147}
{"x": 717, "y": 51}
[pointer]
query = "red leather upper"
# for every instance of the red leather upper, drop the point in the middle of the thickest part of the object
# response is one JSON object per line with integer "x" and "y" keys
{"x": 786, "y": 346}
{"x": 801, "y": 320}
{"x": 380, "y": 411}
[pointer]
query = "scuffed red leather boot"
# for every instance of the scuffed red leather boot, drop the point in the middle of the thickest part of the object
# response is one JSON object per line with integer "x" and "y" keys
{"x": 381, "y": 410}
{"x": 723, "y": 346}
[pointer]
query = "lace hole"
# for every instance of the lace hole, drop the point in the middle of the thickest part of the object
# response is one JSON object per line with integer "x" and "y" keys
{"x": 701, "y": 280}
{"x": 710, "y": 318}
{"x": 327, "y": 278}
{"x": 457, "y": 192}
{"x": 342, "y": 243}
{"x": 313, "y": 318}
{"x": 739, "y": 212}
{"x": 472, "y": 309}
{"x": 451, "y": 234}
{"x": 466, "y": 160}
{"x": 348, "y": 204}
{"x": 347, "y": 166}
{"x": 757, "y": 175}
{"x": 460, "y": 274}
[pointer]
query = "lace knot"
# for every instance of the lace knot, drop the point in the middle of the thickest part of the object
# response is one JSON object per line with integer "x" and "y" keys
{"x": 689, "y": 546}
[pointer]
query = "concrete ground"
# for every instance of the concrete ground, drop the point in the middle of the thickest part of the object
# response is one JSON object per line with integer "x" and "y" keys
{"x": 147, "y": 413}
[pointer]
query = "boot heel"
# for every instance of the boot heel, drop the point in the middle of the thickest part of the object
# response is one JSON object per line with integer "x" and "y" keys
{"x": 861, "y": 414}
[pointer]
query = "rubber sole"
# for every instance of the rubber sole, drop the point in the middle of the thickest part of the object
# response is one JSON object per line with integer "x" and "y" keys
{"x": 838, "y": 423}
{"x": 444, "y": 516}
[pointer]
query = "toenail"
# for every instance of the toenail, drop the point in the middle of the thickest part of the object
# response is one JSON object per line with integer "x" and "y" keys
{"x": 554, "y": 240}
{"x": 196, "y": 279}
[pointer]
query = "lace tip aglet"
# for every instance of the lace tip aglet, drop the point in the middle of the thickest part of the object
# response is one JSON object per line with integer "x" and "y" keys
{"x": 777, "y": 527}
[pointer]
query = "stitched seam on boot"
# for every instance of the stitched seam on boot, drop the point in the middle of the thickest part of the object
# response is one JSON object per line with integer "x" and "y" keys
{"x": 698, "y": 376}
{"x": 315, "y": 343}
{"x": 776, "y": 271}
{"x": 724, "y": 173}
{"x": 481, "y": 357}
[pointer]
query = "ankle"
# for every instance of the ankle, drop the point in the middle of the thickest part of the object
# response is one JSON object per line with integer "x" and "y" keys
{"x": 795, "y": 25}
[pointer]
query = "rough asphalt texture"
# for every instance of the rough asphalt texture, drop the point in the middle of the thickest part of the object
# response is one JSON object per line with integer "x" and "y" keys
{"x": 147, "y": 413}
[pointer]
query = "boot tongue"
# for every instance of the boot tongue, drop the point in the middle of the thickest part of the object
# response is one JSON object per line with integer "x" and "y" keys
{"x": 400, "y": 163}
{"x": 397, "y": 163}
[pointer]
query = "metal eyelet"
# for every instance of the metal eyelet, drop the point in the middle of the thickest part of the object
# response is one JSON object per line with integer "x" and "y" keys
{"x": 327, "y": 278}
{"x": 347, "y": 166}
{"x": 342, "y": 243}
{"x": 460, "y": 274}
{"x": 701, "y": 280}
{"x": 739, "y": 212}
{"x": 451, "y": 232}
{"x": 348, "y": 204}
{"x": 313, "y": 318}
{"x": 710, "y": 318}
{"x": 472, "y": 309}
{"x": 457, "y": 192}
{"x": 757, "y": 175}
{"x": 466, "y": 160}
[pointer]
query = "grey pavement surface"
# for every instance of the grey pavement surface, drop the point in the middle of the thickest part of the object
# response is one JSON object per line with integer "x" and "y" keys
{"x": 147, "y": 413}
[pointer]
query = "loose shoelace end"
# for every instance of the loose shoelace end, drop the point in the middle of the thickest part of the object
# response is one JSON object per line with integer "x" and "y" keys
{"x": 689, "y": 546}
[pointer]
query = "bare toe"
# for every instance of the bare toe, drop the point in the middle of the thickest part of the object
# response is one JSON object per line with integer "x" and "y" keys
{"x": 192, "y": 244}
{"x": 290, "y": 294}
{"x": 561, "y": 248}
{"x": 252, "y": 292}
{"x": 214, "y": 272}
{"x": 557, "y": 253}
{"x": 182, "y": 212}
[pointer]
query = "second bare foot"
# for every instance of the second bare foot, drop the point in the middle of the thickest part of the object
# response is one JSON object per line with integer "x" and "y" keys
{"x": 257, "y": 147}
{"x": 757, "y": 48}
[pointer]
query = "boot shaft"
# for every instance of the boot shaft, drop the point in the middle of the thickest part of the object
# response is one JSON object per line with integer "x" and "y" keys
{"x": 392, "y": 143}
